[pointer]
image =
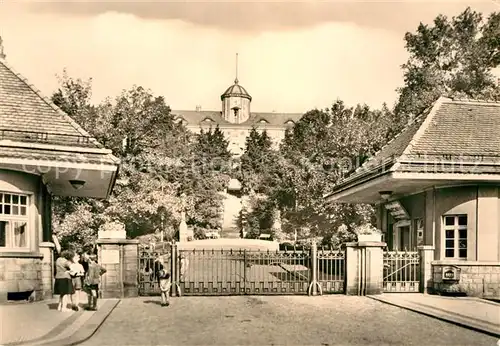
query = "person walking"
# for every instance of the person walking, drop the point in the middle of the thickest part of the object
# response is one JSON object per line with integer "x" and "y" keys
{"x": 77, "y": 273}
{"x": 92, "y": 281}
{"x": 63, "y": 285}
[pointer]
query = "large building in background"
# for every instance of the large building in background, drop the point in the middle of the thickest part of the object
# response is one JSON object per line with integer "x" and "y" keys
{"x": 235, "y": 119}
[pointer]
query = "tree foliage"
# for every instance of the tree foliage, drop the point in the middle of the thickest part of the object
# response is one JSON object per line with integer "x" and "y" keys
{"x": 160, "y": 162}
{"x": 208, "y": 178}
{"x": 453, "y": 57}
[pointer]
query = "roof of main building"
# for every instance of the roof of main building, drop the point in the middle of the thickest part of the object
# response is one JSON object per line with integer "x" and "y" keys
{"x": 195, "y": 118}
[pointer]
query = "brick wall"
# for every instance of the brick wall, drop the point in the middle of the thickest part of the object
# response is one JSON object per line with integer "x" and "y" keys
{"x": 476, "y": 279}
{"x": 21, "y": 275}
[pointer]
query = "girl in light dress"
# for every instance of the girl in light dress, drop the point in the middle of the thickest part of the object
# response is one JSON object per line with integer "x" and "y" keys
{"x": 77, "y": 272}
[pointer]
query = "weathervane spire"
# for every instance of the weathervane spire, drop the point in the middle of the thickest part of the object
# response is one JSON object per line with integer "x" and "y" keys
{"x": 236, "y": 79}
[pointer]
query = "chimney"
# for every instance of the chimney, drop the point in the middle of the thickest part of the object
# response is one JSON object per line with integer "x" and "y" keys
{"x": 198, "y": 108}
{"x": 2, "y": 54}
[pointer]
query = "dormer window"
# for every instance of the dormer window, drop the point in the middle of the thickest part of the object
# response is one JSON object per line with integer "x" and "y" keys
{"x": 289, "y": 123}
{"x": 181, "y": 121}
{"x": 263, "y": 121}
{"x": 208, "y": 120}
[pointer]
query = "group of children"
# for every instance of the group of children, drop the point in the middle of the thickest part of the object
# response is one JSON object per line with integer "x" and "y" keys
{"x": 74, "y": 273}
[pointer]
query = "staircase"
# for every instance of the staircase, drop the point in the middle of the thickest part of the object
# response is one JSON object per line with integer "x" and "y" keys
{"x": 232, "y": 209}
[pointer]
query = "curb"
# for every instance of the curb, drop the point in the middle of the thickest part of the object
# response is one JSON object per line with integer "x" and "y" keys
{"x": 53, "y": 333}
{"x": 452, "y": 320}
{"x": 89, "y": 328}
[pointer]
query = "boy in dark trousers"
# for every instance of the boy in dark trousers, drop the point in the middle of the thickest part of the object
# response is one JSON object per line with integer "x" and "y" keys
{"x": 92, "y": 281}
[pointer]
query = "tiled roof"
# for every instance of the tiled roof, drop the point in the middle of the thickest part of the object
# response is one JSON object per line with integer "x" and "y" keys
{"x": 462, "y": 128}
{"x": 269, "y": 119}
{"x": 26, "y": 115}
{"x": 452, "y": 131}
{"x": 60, "y": 156}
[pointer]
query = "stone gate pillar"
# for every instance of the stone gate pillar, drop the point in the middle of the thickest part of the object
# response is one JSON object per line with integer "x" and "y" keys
{"x": 47, "y": 271}
{"x": 426, "y": 253}
{"x": 364, "y": 268}
{"x": 120, "y": 259}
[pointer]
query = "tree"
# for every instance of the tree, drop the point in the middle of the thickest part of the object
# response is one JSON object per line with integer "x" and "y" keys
{"x": 453, "y": 57}
{"x": 156, "y": 156}
{"x": 258, "y": 171}
{"x": 257, "y": 162}
{"x": 323, "y": 147}
{"x": 208, "y": 177}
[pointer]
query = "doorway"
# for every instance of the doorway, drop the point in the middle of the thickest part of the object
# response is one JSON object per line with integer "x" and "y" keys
{"x": 402, "y": 237}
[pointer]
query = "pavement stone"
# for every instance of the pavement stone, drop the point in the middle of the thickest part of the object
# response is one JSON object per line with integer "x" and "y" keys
{"x": 468, "y": 312}
{"x": 276, "y": 320}
{"x": 40, "y": 323}
{"x": 27, "y": 321}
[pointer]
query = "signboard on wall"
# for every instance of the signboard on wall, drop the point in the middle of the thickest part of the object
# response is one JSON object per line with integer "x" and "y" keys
{"x": 110, "y": 256}
{"x": 397, "y": 211}
{"x": 419, "y": 226}
{"x": 450, "y": 273}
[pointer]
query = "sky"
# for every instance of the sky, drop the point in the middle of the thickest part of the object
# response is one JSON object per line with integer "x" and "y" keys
{"x": 293, "y": 56}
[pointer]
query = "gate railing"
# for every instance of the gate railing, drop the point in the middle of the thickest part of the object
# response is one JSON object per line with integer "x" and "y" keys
{"x": 401, "y": 271}
{"x": 331, "y": 270}
{"x": 232, "y": 272}
{"x": 149, "y": 264}
{"x": 236, "y": 272}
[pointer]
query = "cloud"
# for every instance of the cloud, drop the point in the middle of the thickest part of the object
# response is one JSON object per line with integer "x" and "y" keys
{"x": 287, "y": 71}
{"x": 260, "y": 16}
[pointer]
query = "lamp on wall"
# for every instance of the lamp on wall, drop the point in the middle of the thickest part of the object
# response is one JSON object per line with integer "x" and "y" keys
{"x": 77, "y": 184}
{"x": 385, "y": 194}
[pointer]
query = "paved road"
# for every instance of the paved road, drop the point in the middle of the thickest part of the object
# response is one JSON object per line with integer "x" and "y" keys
{"x": 278, "y": 320}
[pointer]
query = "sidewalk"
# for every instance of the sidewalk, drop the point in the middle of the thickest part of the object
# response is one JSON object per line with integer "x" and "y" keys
{"x": 469, "y": 312}
{"x": 40, "y": 323}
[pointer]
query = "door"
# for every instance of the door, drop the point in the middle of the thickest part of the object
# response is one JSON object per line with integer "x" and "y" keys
{"x": 402, "y": 236}
{"x": 405, "y": 242}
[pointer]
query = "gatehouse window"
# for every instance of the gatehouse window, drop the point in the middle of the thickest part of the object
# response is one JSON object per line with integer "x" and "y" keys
{"x": 455, "y": 236}
{"x": 14, "y": 220}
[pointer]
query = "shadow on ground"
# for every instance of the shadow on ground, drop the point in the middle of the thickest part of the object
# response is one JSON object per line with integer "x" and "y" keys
{"x": 157, "y": 302}
{"x": 52, "y": 306}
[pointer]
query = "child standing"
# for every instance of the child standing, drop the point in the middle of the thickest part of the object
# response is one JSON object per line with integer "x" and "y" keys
{"x": 165, "y": 284}
{"x": 92, "y": 281}
{"x": 77, "y": 272}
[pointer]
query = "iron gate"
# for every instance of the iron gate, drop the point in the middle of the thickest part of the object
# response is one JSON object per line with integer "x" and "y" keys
{"x": 401, "y": 271}
{"x": 243, "y": 272}
{"x": 233, "y": 272}
{"x": 150, "y": 260}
